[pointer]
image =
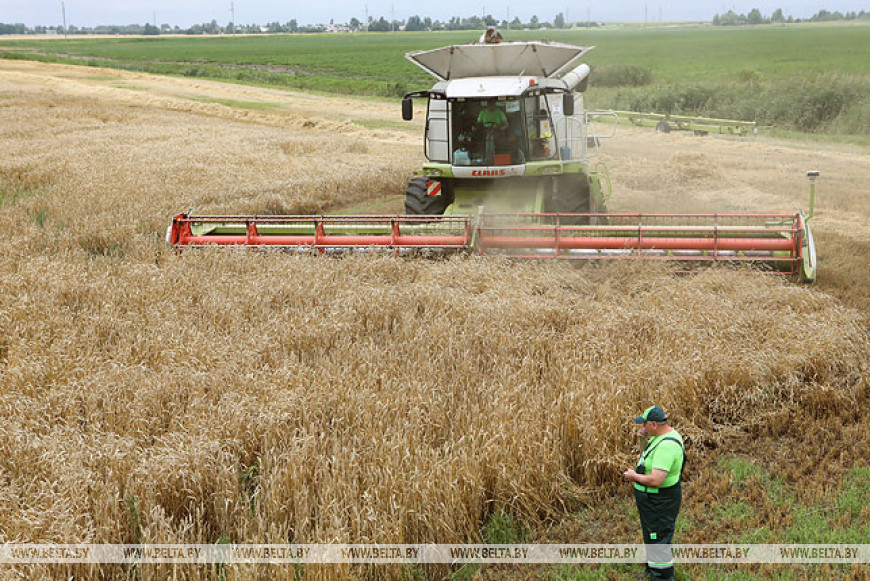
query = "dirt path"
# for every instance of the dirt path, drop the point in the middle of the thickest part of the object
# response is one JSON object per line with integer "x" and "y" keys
{"x": 682, "y": 172}
{"x": 224, "y": 100}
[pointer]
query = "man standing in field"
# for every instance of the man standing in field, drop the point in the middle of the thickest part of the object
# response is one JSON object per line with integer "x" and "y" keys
{"x": 491, "y": 36}
{"x": 657, "y": 489}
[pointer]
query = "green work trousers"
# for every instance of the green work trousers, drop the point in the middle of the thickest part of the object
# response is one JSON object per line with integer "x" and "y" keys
{"x": 658, "y": 517}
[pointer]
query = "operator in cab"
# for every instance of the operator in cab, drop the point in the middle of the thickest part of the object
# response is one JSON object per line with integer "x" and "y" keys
{"x": 492, "y": 116}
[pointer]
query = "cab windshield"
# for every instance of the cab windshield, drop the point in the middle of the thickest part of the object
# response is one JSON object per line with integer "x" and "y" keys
{"x": 501, "y": 131}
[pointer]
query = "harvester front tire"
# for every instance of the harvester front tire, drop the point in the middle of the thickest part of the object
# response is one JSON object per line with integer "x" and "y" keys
{"x": 571, "y": 195}
{"x": 418, "y": 202}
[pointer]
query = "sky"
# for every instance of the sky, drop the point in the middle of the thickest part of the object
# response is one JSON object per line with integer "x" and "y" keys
{"x": 184, "y": 13}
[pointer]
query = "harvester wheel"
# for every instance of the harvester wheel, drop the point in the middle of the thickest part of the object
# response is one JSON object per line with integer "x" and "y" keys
{"x": 571, "y": 195}
{"x": 663, "y": 127}
{"x": 418, "y": 202}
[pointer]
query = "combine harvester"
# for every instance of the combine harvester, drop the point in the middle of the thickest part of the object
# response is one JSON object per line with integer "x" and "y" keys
{"x": 509, "y": 172}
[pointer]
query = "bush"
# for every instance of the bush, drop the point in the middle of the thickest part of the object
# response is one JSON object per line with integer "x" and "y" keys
{"x": 817, "y": 104}
{"x": 818, "y": 108}
{"x": 693, "y": 100}
{"x": 621, "y": 76}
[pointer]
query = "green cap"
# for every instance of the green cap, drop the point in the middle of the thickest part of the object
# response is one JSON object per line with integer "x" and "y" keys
{"x": 652, "y": 414}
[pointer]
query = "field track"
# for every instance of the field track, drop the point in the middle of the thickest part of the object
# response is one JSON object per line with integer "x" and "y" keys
{"x": 150, "y": 397}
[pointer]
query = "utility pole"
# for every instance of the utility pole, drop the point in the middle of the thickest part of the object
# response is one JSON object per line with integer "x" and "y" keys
{"x": 63, "y": 11}
{"x": 367, "y": 17}
{"x": 392, "y": 17}
{"x": 509, "y": 17}
{"x": 233, "y": 16}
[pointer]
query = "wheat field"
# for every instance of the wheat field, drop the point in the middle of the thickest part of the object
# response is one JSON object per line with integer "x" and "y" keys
{"x": 273, "y": 398}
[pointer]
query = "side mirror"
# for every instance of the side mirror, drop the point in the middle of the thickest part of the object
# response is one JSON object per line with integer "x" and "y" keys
{"x": 407, "y": 109}
{"x": 568, "y": 104}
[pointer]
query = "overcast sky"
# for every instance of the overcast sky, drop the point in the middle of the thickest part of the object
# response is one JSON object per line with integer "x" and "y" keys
{"x": 187, "y": 12}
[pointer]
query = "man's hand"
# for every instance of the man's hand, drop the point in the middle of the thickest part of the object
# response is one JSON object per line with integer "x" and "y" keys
{"x": 630, "y": 475}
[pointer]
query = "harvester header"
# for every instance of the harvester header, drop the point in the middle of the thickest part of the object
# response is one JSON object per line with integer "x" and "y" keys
{"x": 773, "y": 240}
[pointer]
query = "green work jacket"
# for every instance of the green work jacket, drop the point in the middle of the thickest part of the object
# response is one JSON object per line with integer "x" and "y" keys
{"x": 663, "y": 453}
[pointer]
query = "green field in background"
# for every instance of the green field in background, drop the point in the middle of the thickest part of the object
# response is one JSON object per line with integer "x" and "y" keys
{"x": 676, "y": 53}
{"x": 810, "y": 77}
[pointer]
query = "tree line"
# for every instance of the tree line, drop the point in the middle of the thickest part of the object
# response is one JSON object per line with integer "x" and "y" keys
{"x": 374, "y": 24}
{"x": 755, "y": 16}
{"x": 413, "y": 23}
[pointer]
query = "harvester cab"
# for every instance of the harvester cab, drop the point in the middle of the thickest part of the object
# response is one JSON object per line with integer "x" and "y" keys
{"x": 505, "y": 131}
{"x": 508, "y": 172}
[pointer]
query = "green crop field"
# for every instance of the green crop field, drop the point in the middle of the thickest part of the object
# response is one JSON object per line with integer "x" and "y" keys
{"x": 811, "y": 78}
